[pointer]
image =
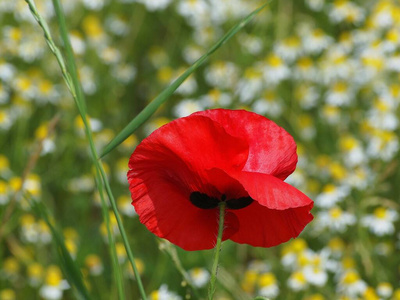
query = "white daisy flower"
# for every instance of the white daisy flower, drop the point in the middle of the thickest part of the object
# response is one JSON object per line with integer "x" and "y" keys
{"x": 316, "y": 41}
{"x": 315, "y": 5}
{"x": 54, "y": 286}
{"x": 274, "y": 69}
{"x": 307, "y": 95}
{"x": 164, "y": 294}
{"x": 384, "y": 289}
{"x": 289, "y": 49}
{"x": 199, "y": 277}
{"x": 153, "y": 5}
{"x": 269, "y": 104}
{"x": 187, "y": 107}
{"x": 383, "y": 145}
{"x": 297, "y": 281}
{"x": 335, "y": 219}
{"x": 250, "y": 85}
{"x": 315, "y": 275}
{"x": 381, "y": 221}
{"x": 331, "y": 195}
{"x": 125, "y": 206}
{"x": 222, "y": 74}
{"x": 268, "y": 286}
{"x": 350, "y": 284}
{"x": 339, "y": 94}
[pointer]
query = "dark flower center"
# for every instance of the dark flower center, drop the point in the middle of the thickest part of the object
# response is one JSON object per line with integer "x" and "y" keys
{"x": 204, "y": 201}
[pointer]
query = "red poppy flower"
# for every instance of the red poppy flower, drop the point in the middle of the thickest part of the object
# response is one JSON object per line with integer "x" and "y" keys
{"x": 180, "y": 173}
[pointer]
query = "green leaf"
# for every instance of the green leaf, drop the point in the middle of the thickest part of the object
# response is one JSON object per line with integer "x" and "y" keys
{"x": 151, "y": 108}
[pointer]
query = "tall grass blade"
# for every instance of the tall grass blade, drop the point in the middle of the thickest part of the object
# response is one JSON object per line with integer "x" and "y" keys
{"x": 150, "y": 109}
{"x": 71, "y": 78}
{"x": 71, "y": 271}
{"x": 97, "y": 163}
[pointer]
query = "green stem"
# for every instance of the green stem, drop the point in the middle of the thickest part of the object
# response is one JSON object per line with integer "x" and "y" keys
{"x": 211, "y": 288}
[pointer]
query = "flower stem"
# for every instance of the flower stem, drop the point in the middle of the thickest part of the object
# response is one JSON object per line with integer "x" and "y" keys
{"x": 211, "y": 288}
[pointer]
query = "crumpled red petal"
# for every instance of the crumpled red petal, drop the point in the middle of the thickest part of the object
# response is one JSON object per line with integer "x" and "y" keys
{"x": 272, "y": 149}
{"x": 164, "y": 207}
{"x": 169, "y": 165}
{"x": 224, "y": 154}
{"x": 260, "y": 226}
{"x": 272, "y": 192}
{"x": 280, "y": 212}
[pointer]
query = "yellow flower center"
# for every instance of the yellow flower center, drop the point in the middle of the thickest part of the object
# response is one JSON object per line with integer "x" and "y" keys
{"x": 41, "y": 132}
{"x": 165, "y": 74}
{"x": 392, "y": 35}
{"x": 267, "y": 279}
{"x": 53, "y": 276}
{"x": 45, "y": 87}
{"x": 35, "y": 270}
{"x": 15, "y": 183}
{"x": 335, "y": 213}
{"x": 92, "y": 26}
{"x": 338, "y": 171}
{"x": 336, "y": 244}
{"x": 305, "y": 63}
{"x": 293, "y": 42}
{"x": 24, "y": 84}
{"x": 15, "y": 34}
{"x": 348, "y": 263}
{"x": 347, "y": 143}
{"x": 7, "y": 294}
{"x": 274, "y": 60}
{"x": 252, "y": 73}
{"x": 329, "y": 188}
{"x": 4, "y": 163}
{"x": 340, "y": 87}
{"x": 298, "y": 245}
{"x": 299, "y": 276}
{"x": 380, "y": 213}
{"x": 351, "y": 277}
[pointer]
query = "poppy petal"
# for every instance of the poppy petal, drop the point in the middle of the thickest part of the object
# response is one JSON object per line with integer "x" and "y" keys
{"x": 260, "y": 226}
{"x": 272, "y": 150}
{"x": 201, "y": 143}
{"x": 171, "y": 164}
{"x": 166, "y": 211}
{"x": 272, "y": 192}
{"x": 278, "y": 213}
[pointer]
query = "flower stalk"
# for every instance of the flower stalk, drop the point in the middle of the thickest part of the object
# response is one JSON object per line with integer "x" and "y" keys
{"x": 214, "y": 270}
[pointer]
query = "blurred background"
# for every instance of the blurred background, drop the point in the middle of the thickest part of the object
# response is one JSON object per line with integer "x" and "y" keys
{"x": 326, "y": 71}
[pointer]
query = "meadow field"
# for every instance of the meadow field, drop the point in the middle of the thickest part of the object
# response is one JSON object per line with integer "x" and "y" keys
{"x": 75, "y": 73}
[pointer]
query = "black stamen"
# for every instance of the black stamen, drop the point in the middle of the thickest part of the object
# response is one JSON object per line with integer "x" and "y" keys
{"x": 239, "y": 203}
{"x": 204, "y": 201}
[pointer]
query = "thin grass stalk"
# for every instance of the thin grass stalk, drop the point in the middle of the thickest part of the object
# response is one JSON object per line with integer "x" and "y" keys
{"x": 71, "y": 270}
{"x": 71, "y": 80}
{"x": 114, "y": 257}
{"x": 70, "y": 55}
{"x": 151, "y": 108}
{"x": 56, "y": 51}
{"x": 171, "y": 251}
{"x": 97, "y": 163}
